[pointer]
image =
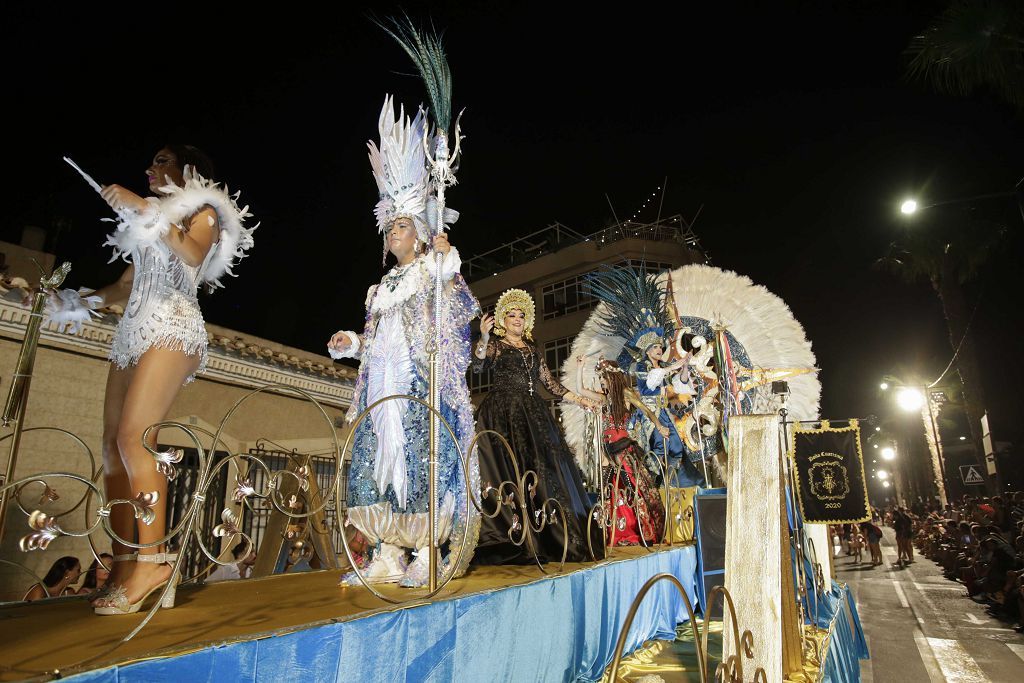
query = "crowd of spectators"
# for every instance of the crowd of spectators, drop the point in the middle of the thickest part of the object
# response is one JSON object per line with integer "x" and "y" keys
{"x": 979, "y": 542}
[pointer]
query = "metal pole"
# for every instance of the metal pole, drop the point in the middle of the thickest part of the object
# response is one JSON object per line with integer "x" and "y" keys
{"x": 440, "y": 171}
{"x": 21, "y": 381}
{"x": 797, "y": 540}
{"x": 432, "y": 475}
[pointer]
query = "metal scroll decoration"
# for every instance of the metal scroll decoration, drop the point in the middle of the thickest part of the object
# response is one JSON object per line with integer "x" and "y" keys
{"x": 728, "y": 671}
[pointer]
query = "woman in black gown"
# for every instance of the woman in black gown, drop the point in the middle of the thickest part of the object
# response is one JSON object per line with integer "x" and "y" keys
{"x": 514, "y": 408}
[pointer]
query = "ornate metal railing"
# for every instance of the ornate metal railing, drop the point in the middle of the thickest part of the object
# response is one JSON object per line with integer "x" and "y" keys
{"x": 730, "y": 670}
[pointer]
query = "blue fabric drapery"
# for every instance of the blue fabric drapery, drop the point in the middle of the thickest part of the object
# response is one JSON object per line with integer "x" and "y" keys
{"x": 561, "y": 628}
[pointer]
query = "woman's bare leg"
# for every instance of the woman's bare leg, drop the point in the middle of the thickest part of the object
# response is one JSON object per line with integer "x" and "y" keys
{"x": 115, "y": 477}
{"x": 154, "y": 385}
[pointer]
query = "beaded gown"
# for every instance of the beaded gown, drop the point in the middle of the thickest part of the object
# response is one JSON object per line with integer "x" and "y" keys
{"x": 514, "y": 408}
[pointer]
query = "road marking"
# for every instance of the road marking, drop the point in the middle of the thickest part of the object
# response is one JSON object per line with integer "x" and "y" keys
{"x": 932, "y": 587}
{"x": 1016, "y": 649}
{"x": 931, "y": 666}
{"x": 973, "y": 619}
{"x": 900, "y": 594}
{"x": 867, "y": 673}
{"x": 954, "y": 661}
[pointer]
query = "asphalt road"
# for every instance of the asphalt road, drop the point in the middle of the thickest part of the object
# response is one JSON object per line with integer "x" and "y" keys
{"x": 921, "y": 626}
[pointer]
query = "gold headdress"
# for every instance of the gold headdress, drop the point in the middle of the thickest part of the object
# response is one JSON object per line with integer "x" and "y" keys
{"x": 514, "y": 298}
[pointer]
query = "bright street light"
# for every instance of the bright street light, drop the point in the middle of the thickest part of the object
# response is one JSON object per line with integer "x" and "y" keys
{"x": 882, "y": 474}
{"x": 878, "y": 429}
{"x": 889, "y": 453}
{"x": 884, "y": 386}
{"x": 910, "y": 399}
{"x": 885, "y": 484}
{"x": 908, "y": 207}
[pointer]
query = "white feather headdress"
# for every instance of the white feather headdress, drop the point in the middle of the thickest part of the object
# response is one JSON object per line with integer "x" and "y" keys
{"x": 399, "y": 166}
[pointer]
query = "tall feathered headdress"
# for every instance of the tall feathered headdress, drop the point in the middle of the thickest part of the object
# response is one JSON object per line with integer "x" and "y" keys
{"x": 427, "y": 54}
{"x": 400, "y": 169}
{"x": 634, "y": 309}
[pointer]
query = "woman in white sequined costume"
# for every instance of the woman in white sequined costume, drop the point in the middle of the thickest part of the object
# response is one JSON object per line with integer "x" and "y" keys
{"x": 191, "y": 232}
{"x": 388, "y": 489}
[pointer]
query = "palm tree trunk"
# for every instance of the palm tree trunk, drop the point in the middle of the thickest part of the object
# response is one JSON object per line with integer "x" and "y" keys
{"x": 955, "y": 310}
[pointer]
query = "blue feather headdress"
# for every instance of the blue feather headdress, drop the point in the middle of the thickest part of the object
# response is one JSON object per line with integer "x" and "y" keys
{"x": 635, "y": 309}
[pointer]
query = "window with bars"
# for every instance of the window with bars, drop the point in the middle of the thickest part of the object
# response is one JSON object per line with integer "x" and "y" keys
{"x": 555, "y": 408}
{"x": 555, "y": 353}
{"x": 649, "y": 267}
{"x": 480, "y": 382}
{"x": 323, "y": 469}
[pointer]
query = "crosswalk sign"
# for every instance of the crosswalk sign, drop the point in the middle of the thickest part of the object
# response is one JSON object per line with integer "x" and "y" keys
{"x": 971, "y": 475}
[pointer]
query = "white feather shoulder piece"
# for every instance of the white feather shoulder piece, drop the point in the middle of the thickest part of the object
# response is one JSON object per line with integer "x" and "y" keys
{"x": 138, "y": 230}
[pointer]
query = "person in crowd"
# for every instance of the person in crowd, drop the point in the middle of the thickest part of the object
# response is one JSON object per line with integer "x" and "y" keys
{"x": 58, "y": 581}
{"x": 245, "y": 557}
{"x": 874, "y": 538}
{"x": 904, "y": 527}
{"x": 96, "y": 577}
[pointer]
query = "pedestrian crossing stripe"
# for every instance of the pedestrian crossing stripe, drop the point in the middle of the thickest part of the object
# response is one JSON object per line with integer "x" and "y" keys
{"x": 971, "y": 475}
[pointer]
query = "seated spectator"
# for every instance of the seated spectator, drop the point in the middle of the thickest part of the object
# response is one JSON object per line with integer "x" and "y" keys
{"x": 359, "y": 546}
{"x": 299, "y": 557}
{"x": 999, "y": 558}
{"x": 57, "y": 581}
{"x": 239, "y": 569}
{"x": 96, "y": 577}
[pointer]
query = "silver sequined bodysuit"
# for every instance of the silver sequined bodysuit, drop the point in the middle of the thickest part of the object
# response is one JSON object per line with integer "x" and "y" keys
{"x": 162, "y": 311}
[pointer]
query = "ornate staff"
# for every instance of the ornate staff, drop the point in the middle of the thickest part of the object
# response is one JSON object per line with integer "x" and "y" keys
{"x": 428, "y": 55}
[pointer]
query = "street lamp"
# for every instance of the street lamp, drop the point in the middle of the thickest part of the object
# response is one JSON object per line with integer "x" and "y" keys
{"x": 914, "y": 399}
{"x": 885, "y": 484}
{"x": 910, "y": 399}
{"x": 883, "y": 475}
{"x": 910, "y": 206}
{"x": 889, "y": 453}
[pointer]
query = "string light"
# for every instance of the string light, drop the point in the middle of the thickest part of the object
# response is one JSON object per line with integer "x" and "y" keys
{"x": 646, "y": 202}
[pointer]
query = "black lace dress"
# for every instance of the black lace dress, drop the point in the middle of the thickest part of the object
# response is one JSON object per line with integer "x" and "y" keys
{"x": 515, "y": 409}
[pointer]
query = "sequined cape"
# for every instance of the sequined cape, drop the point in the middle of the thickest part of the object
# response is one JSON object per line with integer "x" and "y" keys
{"x": 413, "y": 297}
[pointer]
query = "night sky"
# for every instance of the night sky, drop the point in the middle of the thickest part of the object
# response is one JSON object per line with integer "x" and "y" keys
{"x": 792, "y": 126}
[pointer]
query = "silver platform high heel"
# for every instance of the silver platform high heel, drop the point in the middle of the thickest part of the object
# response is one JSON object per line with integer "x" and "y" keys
{"x": 117, "y": 601}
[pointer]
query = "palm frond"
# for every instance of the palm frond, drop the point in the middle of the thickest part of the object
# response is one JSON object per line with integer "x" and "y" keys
{"x": 973, "y": 44}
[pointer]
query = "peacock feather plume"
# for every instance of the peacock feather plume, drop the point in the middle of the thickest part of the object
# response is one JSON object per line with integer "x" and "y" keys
{"x": 633, "y": 298}
{"x": 428, "y": 55}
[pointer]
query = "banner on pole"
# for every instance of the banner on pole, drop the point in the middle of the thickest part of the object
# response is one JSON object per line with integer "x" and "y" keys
{"x": 829, "y": 469}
